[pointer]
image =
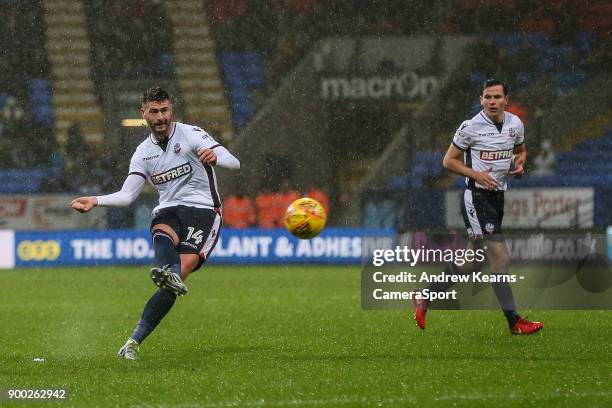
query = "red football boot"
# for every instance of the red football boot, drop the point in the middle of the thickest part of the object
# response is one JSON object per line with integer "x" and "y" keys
{"x": 420, "y": 309}
{"x": 524, "y": 327}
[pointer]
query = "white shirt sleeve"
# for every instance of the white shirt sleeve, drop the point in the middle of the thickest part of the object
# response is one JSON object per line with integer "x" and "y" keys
{"x": 131, "y": 189}
{"x": 137, "y": 164}
{"x": 463, "y": 136}
{"x": 521, "y": 135}
{"x": 203, "y": 140}
{"x": 226, "y": 159}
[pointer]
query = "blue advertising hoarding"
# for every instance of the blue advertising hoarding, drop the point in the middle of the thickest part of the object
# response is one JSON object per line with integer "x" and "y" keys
{"x": 252, "y": 246}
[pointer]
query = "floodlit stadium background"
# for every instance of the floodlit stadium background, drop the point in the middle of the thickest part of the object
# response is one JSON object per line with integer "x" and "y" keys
{"x": 356, "y": 100}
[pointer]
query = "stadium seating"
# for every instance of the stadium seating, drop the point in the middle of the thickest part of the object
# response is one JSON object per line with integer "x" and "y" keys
{"x": 587, "y": 165}
{"x": 552, "y": 58}
{"x": 22, "y": 181}
{"x": 426, "y": 165}
{"x": 25, "y": 98}
{"x": 125, "y": 51}
{"x": 244, "y": 72}
{"x": 41, "y": 101}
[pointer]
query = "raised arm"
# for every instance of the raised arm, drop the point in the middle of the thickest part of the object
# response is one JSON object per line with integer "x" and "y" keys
{"x": 218, "y": 156}
{"x": 129, "y": 192}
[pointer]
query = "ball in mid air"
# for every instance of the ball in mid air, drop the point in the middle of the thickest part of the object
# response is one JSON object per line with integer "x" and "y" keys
{"x": 305, "y": 218}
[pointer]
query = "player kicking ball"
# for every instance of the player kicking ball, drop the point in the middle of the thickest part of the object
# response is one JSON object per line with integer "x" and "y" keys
{"x": 483, "y": 150}
{"x": 178, "y": 160}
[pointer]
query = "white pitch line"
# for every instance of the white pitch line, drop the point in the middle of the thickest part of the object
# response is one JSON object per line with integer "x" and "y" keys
{"x": 513, "y": 396}
{"x": 369, "y": 401}
{"x": 285, "y": 403}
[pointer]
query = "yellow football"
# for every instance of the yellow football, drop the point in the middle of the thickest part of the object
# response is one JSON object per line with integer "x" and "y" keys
{"x": 305, "y": 218}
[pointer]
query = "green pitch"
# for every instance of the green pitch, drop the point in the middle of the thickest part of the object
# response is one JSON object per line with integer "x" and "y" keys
{"x": 285, "y": 336}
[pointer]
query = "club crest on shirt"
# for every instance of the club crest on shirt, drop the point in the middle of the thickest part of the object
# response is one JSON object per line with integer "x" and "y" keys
{"x": 489, "y": 227}
{"x": 513, "y": 132}
{"x": 177, "y": 148}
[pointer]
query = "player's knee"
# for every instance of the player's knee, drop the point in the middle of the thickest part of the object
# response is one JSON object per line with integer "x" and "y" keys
{"x": 166, "y": 230}
{"x": 500, "y": 263}
{"x": 185, "y": 271}
{"x": 189, "y": 263}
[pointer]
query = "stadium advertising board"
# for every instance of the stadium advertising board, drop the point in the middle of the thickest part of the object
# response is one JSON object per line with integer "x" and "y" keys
{"x": 45, "y": 212}
{"x": 7, "y": 252}
{"x": 524, "y": 248}
{"x": 333, "y": 246}
{"x": 535, "y": 208}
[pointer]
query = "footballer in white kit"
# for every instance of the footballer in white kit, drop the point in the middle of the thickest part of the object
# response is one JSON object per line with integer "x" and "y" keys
{"x": 174, "y": 169}
{"x": 486, "y": 149}
{"x": 178, "y": 160}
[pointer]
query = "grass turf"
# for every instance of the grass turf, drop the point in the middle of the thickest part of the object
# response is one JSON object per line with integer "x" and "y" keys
{"x": 285, "y": 336}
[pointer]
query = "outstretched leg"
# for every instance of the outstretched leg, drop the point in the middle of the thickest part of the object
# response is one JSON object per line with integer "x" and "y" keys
{"x": 162, "y": 300}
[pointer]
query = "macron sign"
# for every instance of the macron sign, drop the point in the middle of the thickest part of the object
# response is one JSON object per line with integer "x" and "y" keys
{"x": 405, "y": 86}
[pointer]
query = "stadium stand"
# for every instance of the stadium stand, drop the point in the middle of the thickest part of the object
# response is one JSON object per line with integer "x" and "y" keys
{"x": 144, "y": 41}
{"x": 26, "y": 107}
{"x": 68, "y": 48}
{"x": 122, "y": 42}
{"x": 549, "y": 64}
{"x": 255, "y": 45}
{"x": 267, "y": 39}
{"x": 586, "y": 165}
{"x": 552, "y": 57}
{"x": 244, "y": 73}
{"x": 25, "y": 181}
{"x": 197, "y": 68}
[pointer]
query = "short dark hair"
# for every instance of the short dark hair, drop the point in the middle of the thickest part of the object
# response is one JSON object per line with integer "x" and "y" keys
{"x": 155, "y": 94}
{"x": 492, "y": 82}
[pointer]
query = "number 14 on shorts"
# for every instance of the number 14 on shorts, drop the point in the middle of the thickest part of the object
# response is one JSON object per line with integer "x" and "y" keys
{"x": 196, "y": 235}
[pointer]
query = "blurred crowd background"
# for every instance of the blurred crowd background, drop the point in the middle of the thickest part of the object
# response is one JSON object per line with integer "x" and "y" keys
{"x": 372, "y": 164}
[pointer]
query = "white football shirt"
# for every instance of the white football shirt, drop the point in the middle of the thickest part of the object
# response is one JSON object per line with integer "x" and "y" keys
{"x": 485, "y": 147}
{"x": 176, "y": 172}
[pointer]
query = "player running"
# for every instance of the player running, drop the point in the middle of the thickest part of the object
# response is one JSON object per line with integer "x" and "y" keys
{"x": 486, "y": 149}
{"x": 178, "y": 161}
